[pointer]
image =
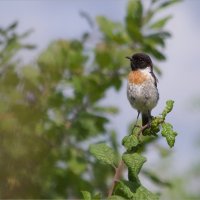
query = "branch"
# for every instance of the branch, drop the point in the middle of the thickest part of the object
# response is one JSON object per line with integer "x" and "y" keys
{"x": 119, "y": 169}
{"x": 118, "y": 173}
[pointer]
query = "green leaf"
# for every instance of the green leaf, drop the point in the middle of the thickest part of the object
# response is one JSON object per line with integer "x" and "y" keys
{"x": 76, "y": 166}
{"x": 148, "y": 47}
{"x": 123, "y": 190}
{"x": 135, "y": 11}
{"x": 133, "y": 30}
{"x": 116, "y": 197}
{"x": 134, "y": 163}
{"x": 104, "y": 153}
{"x": 11, "y": 79}
{"x": 105, "y": 25}
{"x": 106, "y": 109}
{"x": 103, "y": 57}
{"x": 169, "y": 134}
{"x": 88, "y": 18}
{"x": 156, "y": 39}
{"x": 31, "y": 74}
{"x": 155, "y": 126}
{"x": 12, "y": 26}
{"x": 97, "y": 197}
{"x": 144, "y": 194}
{"x": 134, "y": 19}
{"x": 135, "y": 191}
{"x": 160, "y": 23}
{"x": 167, "y": 4}
{"x": 156, "y": 179}
{"x": 154, "y": 1}
{"x": 168, "y": 108}
{"x": 26, "y": 34}
{"x": 113, "y": 31}
{"x": 28, "y": 46}
{"x": 86, "y": 195}
{"x": 130, "y": 141}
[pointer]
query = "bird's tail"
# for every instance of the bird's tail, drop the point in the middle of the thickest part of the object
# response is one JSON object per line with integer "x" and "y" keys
{"x": 146, "y": 118}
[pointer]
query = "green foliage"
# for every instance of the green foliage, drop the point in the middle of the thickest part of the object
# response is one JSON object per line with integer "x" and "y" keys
{"x": 134, "y": 162}
{"x": 11, "y": 44}
{"x": 133, "y": 189}
{"x": 139, "y": 19}
{"x": 167, "y": 4}
{"x": 86, "y": 195}
{"x": 113, "y": 31}
{"x": 104, "y": 153}
{"x": 167, "y": 131}
{"x": 123, "y": 189}
{"x": 156, "y": 179}
{"x": 134, "y": 20}
{"x": 130, "y": 141}
{"x": 168, "y": 108}
{"x": 51, "y": 109}
{"x": 133, "y": 141}
{"x": 116, "y": 197}
{"x": 159, "y": 24}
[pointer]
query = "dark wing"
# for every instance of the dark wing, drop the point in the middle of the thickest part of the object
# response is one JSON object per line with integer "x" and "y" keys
{"x": 155, "y": 78}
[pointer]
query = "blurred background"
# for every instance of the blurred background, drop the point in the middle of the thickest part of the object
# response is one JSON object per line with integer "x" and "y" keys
{"x": 63, "y": 87}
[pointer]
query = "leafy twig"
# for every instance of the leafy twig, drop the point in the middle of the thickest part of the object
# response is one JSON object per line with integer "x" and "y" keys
{"x": 132, "y": 158}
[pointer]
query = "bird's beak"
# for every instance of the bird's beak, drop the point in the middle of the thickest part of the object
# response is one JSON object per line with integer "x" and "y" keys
{"x": 128, "y": 57}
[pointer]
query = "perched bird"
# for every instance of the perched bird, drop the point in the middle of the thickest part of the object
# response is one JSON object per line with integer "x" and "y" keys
{"x": 142, "y": 89}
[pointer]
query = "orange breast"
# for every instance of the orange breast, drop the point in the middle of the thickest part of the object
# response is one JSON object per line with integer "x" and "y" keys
{"x": 136, "y": 77}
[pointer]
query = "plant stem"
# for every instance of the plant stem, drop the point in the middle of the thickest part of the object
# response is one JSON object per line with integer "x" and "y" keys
{"x": 118, "y": 173}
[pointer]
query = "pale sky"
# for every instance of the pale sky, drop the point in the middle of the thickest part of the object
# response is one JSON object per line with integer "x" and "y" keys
{"x": 181, "y": 72}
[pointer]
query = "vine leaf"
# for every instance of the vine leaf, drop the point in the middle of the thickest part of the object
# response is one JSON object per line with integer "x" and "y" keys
{"x": 104, "y": 153}
{"x": 161, "y": 23}
{"x": 134, "y": 163}
{"x": 169, "y": 133}
{"x": 168, "y": 108}
{"x": 130, "y": 190}
{"x": 122, "y": 189}
{"x": 134, "y": 19}
{"x": 130, "y": 141}
{"x": 143, "y": 193}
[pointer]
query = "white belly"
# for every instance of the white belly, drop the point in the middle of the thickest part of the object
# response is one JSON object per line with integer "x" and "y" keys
{"x": 143, "y": 97}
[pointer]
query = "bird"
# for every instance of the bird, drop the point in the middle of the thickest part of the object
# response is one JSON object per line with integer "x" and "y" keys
{"x": 142, "y": 91}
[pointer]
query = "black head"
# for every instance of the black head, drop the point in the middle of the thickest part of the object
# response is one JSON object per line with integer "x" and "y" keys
{"x": 140, "y": 61}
